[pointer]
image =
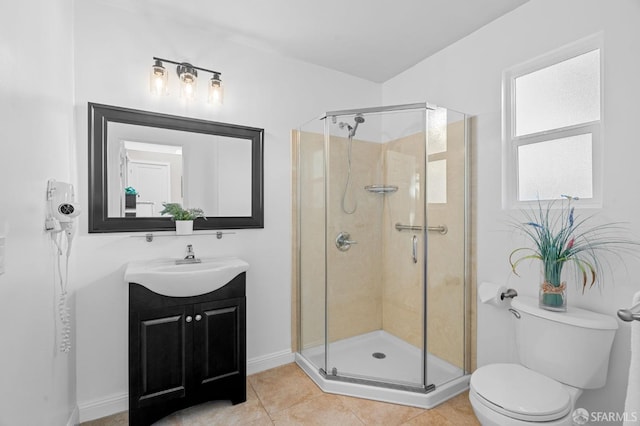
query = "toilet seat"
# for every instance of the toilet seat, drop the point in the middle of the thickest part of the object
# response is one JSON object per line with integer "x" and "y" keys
{"x": 519, "y": 393}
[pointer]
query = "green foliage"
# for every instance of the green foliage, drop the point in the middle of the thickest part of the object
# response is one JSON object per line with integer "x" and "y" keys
{"x": 559, "y": 237}
{"x": 179, "y": 213}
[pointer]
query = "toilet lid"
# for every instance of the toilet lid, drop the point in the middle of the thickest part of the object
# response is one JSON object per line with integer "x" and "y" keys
{"x": 520, "y": 393}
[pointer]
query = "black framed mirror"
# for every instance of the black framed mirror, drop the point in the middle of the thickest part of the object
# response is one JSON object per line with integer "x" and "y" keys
{"x": 139, "y": 160}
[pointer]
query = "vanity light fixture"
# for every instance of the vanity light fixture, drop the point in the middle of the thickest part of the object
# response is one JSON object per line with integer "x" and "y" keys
{"x": 188, "y": 75}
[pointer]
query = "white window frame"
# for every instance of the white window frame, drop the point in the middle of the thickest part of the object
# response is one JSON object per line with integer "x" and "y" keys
{"x": 511, "y": 142}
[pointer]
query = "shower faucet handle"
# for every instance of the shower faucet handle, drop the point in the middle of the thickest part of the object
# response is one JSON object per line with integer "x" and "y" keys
{"x": 343, "y": 242}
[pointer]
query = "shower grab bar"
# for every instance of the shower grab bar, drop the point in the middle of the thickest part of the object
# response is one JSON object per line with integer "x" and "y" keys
{"x": 630, "y": 314}
{"x": 441, "y": 228}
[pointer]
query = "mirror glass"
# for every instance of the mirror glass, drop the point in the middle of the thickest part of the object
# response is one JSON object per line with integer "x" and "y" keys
{"x": 148, "y": 166}
{"x": 140, "y": 160}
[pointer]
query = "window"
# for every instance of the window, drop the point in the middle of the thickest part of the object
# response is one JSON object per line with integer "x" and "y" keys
{"x": 552, "y": 120}
{"x": 437, "y": 182}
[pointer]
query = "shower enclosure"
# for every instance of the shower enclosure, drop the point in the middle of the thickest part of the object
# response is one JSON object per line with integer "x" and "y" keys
{"x": 382, "y": 254}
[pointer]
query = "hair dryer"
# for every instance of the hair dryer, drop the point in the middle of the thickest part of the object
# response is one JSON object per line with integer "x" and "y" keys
{"x": 62, "y": 209}
{"x": 61, "y": 199}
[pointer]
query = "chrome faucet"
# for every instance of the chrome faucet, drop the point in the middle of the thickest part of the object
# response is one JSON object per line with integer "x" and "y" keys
{"x": 190, "y": 257}
{"x": 190, "y": 253}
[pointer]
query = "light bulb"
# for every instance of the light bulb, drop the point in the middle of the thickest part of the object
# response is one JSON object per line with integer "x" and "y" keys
{"x": 158, "y": 79}
{"x": 216, "y": 91}
{"x": 188, "y": 79}
{"x": 188, "y": 89}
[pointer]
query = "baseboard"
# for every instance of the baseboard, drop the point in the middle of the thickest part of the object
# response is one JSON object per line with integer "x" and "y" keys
{"x": 103, "y": 407}
{"x": 266, "y": 362}
{"x": 74, "y": 418}
{"x": 118, "y": 403}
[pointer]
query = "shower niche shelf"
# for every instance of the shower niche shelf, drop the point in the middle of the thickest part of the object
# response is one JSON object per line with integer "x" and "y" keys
{"x": 381, "y": 189}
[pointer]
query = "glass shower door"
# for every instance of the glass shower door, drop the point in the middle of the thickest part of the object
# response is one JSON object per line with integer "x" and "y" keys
{"x": 447, "y": 256}
{"x": 375, "y": 246}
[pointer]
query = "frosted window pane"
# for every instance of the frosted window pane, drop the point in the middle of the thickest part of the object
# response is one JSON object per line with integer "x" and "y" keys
{"x": 560, "y": 166}
{"x": 437, "y": 133}
{"x": 437, "y": 181}
{"x": 560, "y": 95}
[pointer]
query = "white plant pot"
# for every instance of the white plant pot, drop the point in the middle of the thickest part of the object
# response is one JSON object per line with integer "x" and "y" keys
{"x": 184, "y": 227}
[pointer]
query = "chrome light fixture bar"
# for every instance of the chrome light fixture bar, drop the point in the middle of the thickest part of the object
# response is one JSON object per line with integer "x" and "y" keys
{"x": 188, "y": 75}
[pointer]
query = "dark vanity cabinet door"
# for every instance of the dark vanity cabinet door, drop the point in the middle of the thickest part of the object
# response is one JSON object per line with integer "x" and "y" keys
{"x": 185, "y": 350}
{"x": 161, "y": 355}
{"x": 219, "y": 350}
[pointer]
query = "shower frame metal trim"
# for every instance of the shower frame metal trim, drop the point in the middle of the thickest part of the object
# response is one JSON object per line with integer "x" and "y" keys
{"x": 380, "y": 384}
{"x": 326, "y": 160}
{"x": 468, "y": 273}
{"x": 373, "y": 110}
{"x": 425, "y": 252}
{"x": 298, "y": 146}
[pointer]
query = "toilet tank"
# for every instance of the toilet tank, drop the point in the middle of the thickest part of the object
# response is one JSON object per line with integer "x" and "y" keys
{"x": 571, "y": 347}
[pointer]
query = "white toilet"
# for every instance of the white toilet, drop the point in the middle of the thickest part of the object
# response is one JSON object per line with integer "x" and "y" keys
{"x": 560, "y": 354}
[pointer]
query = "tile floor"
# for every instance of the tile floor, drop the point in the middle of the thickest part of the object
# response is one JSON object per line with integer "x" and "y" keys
{"x": 286, "y": 396}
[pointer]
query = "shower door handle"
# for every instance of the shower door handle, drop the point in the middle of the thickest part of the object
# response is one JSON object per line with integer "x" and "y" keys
{"x": 414, "y": 244}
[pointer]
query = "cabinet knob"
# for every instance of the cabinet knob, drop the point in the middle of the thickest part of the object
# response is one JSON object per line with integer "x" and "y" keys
{"x": 188, "y": 319}
{"x": 198, "y": 317}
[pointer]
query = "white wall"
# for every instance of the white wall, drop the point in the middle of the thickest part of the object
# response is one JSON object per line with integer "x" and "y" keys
{"x": 467, "y": 77}
{"x": 113, "y": 54}
{"x": 37, "y": 382}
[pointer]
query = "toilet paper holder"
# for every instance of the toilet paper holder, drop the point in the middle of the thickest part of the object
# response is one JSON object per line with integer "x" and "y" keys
{"x": 509, "y": 294}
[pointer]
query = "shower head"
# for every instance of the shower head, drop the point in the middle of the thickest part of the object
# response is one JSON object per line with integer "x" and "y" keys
{"x": 358, "y": 119}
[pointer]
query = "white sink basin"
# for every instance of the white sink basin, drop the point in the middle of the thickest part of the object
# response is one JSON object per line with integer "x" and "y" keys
{"x": 164, "y": 276}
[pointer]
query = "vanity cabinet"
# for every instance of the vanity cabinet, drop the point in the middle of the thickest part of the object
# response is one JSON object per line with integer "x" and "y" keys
{"x": 185, "y": 350}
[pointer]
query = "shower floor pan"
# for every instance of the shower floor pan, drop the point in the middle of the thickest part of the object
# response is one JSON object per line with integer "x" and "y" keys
{"x": 354, "y": 358}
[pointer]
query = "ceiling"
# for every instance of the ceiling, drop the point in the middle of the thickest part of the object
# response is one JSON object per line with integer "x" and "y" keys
{"x": 371, "y": 39}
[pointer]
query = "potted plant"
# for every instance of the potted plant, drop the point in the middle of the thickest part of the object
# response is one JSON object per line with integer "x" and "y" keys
{"x": 559, "y": 237}
{"x": 183, "y": 217}
{"x": 130, "y": 195}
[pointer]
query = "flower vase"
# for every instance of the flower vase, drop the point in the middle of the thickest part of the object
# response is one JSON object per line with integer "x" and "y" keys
{"x": 553, "y": 297}
{"x": 184, "y": 227}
